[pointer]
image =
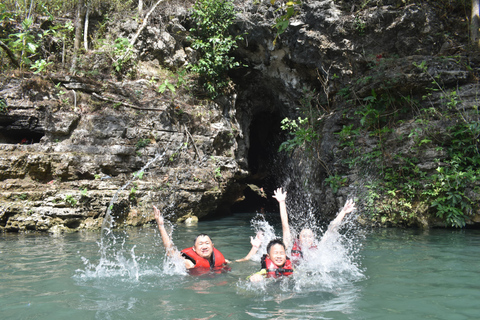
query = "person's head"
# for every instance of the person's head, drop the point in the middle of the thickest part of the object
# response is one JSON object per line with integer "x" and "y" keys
{"x": 276, "y": 252}
{"x": 203, "y": 246}
{"x": 306, "y": 237}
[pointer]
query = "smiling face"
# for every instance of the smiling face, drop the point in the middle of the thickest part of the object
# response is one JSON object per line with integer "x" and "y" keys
{"x": 204, "y": 246}
{"x": 306, "y": 238}
{"x": 277, "y": 255}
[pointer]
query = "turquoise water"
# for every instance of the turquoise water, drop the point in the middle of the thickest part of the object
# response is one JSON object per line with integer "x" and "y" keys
{"x": 386, "y": 274}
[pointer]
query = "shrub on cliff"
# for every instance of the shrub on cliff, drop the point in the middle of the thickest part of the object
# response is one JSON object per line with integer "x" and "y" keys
{"x": 210, "y": 37}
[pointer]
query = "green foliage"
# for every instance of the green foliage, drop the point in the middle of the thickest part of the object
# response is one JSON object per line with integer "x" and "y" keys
{"x": 301, "y": 131}
{"x": 3, "y": 105}
{"x": 24, "y": 42}
{"x": 70, "y": 200}
{"x": 282, "y": 22}
{"x": 166, "y": 85}
{"x": 133, "y": 194}
{"x": 218, "y": 173}
{"x": 138, "y": 174}
{"x": 122, "y": 55}
{"x": 210, "y": 37}
{"x": 336, "y": 182}
{"x": 40, "y": 66}
{"x": 142, "y": 143}
{"x": 400, "y": 185}
{"x": 360, "y": 26}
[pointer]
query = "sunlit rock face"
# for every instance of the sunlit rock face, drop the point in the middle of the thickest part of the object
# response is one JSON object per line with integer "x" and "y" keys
{"x": 69, "y": 143}
{"x": 65, "y": 153}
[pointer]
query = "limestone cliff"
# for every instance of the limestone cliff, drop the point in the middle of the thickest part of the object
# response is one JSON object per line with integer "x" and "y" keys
{"x": 69, "y": 142}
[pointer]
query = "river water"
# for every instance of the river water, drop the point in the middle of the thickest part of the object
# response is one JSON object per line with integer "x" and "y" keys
{"x": 381, "y": 274}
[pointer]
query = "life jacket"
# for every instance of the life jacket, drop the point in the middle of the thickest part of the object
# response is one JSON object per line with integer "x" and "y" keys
{"x": 297, "y": 252}
{"x": 217, "y": 261}
{"x": 273, "y": 271}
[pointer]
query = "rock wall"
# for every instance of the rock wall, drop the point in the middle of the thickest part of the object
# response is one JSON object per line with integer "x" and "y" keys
{"x": 66, "y": 152}
{"x": 69, "y": 143}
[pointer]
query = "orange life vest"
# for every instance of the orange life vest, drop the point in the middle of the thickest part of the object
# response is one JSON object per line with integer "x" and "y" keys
{"x": 273, "y": 271}
{"x": 217, "y": 261}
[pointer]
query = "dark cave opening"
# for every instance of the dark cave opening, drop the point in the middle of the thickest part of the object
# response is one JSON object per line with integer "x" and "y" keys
{"x": 20, "y": 130}
{"x": 265, "y": 139}
{"x": 20, "y": 136}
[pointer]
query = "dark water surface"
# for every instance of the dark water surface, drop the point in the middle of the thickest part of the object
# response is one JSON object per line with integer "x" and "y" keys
{"x": 395, "y": 274}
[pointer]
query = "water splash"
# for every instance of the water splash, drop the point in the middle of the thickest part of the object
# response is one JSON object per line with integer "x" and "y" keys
{"x": 117, "y": 257}
{"x": 332, "y": 265}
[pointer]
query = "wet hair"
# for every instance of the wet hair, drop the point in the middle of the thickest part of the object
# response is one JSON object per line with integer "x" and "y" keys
{"x": 274, "y": 242}
{"x": 201, "y": 235}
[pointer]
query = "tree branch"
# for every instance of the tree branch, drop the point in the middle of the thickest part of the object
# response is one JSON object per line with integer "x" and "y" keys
{"x": 193, "y": 142}
{"x": 10, "y": 54}
{"x": 144, "y": 24}
{"x": 96, "y": 95}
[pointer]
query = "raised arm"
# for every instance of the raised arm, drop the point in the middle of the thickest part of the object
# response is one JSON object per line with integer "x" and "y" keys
{"x": 167, "y": 242}
{"x": 333, "y": 226}
{"x": 256, "y": 243}
{"x": 281, "y": 197}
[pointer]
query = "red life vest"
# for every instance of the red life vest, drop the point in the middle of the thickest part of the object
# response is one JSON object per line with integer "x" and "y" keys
{"x": 218, "y": 260}
{"x": 273, "y": 271}
{"x": 297, "y": 253}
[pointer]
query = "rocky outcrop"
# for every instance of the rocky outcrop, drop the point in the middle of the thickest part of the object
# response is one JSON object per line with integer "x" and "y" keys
{"x": 69, "y": 143}
{"x": 66, "y": 152}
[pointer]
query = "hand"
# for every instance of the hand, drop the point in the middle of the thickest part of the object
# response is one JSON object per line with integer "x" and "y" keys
{"x": 158, "y": 216}
{"x": 257, "y": 278}
{"x": 280, "y": 195}
{"x": 257, "y": 241}
{"x": 349, "y": 206}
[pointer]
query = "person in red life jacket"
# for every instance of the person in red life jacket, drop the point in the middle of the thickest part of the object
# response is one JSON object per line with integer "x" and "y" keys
{"x": 306, "y": 238}
{"x": 275, "y": 263}
{"x": 203, "y": 254}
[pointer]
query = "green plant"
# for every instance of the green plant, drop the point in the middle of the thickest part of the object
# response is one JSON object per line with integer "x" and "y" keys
{"x": 122, "y": 55}
{"x": 142, "y": 143}
{"x": 218, "y": 173}
{"x": 40, "y": 65}
{"x": 24, "y": 42}
{"x": 166, "y": 85}
{"x": 70, "y": 200}
{"x": 23, "y": 196}
{"x": 3, "y": 105}
{"x": 138, "y": 174}
{"x": 336, "y": 182}
{"x": 133, "y": 194}
{"x": 360, "y": 26}
{"x": 173, "y": 156}
{"x": 282, "y": 22}
{"x": 301, "y": 131}
{"x": 210, "y": 37}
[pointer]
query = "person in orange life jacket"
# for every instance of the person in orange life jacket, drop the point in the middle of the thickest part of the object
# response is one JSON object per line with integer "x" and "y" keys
{"x": 203, "y": 254}
{"x": 275, "y": 263}
{"x": 306, "y": 239}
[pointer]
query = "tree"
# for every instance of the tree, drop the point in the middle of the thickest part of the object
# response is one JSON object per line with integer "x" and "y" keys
{"x": 78, "y": 32}
{"x": 474, "y": 21}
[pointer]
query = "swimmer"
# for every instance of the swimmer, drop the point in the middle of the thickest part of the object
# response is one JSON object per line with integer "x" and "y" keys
{"x": 275, "y": 263}
{"x": 306, "y": 238}
{"x": 203, "y": 254}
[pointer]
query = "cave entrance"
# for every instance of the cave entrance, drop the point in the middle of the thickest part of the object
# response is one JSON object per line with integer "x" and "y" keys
{"x": 265, "y": 138}
{"x": 20, "y": 130}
